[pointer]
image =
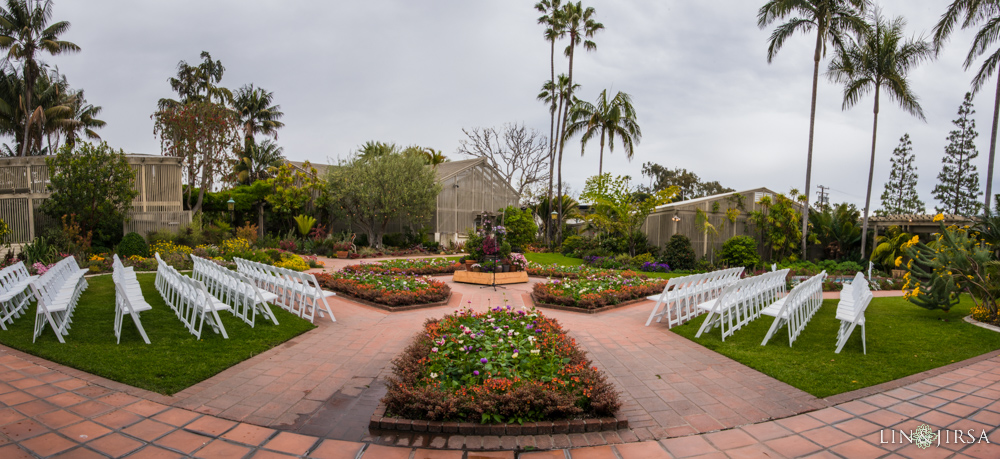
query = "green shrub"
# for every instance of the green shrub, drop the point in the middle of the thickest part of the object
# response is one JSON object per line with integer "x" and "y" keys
{"x": 133, "y": 244}
{"x": 740, "y": 251}
{"x": 678, "y": 253}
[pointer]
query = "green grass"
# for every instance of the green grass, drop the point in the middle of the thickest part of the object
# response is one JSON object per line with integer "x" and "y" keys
{"x": 903, "y": 339}
{"x": 174, "y": 360}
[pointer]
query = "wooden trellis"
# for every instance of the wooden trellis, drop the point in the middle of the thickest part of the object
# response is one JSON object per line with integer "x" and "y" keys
{"x": 24, "y": 186}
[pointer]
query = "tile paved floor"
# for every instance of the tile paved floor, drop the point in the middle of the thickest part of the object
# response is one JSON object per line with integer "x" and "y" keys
{"x": 311, "y": 397}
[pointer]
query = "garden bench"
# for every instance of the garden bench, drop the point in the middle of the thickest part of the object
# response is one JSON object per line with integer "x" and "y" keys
{"x": 796, "y": 309}
{"x": 189, "y": 299}
{"x": 741, "y": 302}
{"x": 15, "y": 293}
{"x": 298, "y": 293}
{"x": 128, "y": 298}
{"x": 854, "y": 300}
{"x": 687, "y": 291}
{"x": 57, "y": 292}
{"x": 235, "y": 290}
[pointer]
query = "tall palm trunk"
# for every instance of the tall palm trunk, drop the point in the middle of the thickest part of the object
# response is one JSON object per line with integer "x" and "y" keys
{"x": 993, "y": 149}
{"x": 812, "y": 131}
{"x": 871, "y": 172}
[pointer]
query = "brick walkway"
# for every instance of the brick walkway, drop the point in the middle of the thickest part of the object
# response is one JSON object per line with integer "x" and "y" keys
{"x": 314, "y": 396}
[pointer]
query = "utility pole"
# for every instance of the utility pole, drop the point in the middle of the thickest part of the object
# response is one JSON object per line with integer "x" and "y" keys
{"x": 824, "y": 200}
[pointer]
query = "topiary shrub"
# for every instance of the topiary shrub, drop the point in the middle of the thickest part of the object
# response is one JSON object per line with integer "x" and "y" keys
{"x": 678, "y": 252}
{"x": 740, "y": 251}
{"x": 133, "y": 244}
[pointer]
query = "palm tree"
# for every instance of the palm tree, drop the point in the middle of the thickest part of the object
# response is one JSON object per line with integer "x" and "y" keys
{"x": 976, "y": 12}
{"x": 579, "y": 24}
{"x": 24, "y": 32}
{"x": 614, "y": 118}
{"x": 555, "y": 28}
{"x": 879, "y": 59}
{"x": 832, "y": 19}
{"x": 257, "y": 112}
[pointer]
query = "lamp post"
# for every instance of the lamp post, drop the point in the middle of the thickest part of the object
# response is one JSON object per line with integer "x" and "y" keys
{"x": 232, "y": 210}
{"x": 555, "y": 219}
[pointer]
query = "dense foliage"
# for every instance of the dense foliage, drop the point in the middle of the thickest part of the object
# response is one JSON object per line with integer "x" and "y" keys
{"x": 497, "y": 366}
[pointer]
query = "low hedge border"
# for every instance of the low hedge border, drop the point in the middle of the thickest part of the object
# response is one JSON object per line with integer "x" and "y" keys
{"x": 380, "y": 422}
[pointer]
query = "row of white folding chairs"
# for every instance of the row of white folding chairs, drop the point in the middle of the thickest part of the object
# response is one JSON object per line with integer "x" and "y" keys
{"x": 741, "y": 302}
{"x": 796, "y": 308}
{"x": 128, "y": 298}
{"x": 687, "y": 291}
{"x": 245, "y": 299}
{"x": 57, "y": 292}
{"x": 189, "y": 299}
{"x": 298, "y": 293}
{"x": 854, "y": 300}
{"x": 15, "y": 293}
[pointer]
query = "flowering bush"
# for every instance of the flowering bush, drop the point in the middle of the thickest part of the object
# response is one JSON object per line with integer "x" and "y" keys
{"x": 386, "y": 289}
{"x": 421, "y": 266}
{"x": 497, "y": 366}
{"x": 598, "y": 290}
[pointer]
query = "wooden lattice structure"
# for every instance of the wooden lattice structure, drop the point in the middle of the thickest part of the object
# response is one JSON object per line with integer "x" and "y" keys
{"x": 681, "y": 218}
{"x": 24, "y": 186}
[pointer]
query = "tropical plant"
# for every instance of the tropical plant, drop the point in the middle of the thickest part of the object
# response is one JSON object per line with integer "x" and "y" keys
{"x": 24, "y": 33}
{"x": 889, "y": 247}
{"x": 833, "y": 21}
{"x": 976, "y": 12}
{"x": 610, "y": 119}
{"x": 958, "y": 187}
{"x": 615, "y": 208}
{"x": 879, "y": 59}
{"x": 579, "y": 25}
{"x": 900, "y": 195}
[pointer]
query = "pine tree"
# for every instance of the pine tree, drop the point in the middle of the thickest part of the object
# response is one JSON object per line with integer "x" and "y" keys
{"x": 900, "y": 195}
{"x": 958, "y": 190}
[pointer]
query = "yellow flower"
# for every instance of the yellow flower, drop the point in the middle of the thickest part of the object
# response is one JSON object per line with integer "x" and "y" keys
{"x": 939, "y": 217}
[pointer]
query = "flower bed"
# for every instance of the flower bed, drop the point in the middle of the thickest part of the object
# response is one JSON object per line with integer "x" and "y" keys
{"x": 386, "y": 289}
{"x": 421, "y": 266}
{"x": 493, "y": 367}
{"x": 597, "y": 291}
{"x": 573, "y": 272}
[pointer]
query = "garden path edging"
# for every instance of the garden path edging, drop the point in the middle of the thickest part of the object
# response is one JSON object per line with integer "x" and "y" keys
{"x": 380, "y": 422}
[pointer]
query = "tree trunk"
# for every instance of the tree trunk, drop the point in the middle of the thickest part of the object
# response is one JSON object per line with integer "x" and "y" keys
{"x": 871, "y": 172}
{"x": 812, "y": 131}
{"x": 993, "y": 149}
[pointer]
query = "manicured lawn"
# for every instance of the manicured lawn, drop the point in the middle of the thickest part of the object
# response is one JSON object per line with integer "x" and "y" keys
{"x": 903, "y": 339}
{"x": 174, "y": 360}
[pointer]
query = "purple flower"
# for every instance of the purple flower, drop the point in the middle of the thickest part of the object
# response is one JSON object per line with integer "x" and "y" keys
{"x": 484, "y": 360}
{"x": 476, "y": 372}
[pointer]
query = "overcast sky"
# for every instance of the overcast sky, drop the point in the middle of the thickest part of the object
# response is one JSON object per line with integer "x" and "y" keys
{"x": 417, "y": 72}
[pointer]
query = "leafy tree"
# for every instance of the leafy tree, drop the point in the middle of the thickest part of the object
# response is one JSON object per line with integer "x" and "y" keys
{"x": 689, "y": 184}
{"x": 373, "y": 190}
{"x": 293, "y": 189}
{"x": 520, "y": 225}
{"x": 879, "y": 60}
{"x": 94, "y": 183}
{"x": 615, "y": 209}
{"x": 977, "y": 12}
{"x": 833, "y": 21}
{"x": 836, "y": 229}
{"x": 579, "y": 25}
{"x": 900, "y": 195}
{"x": 204, "y": 135}
{"x": 610, "y": 119}
{"x": 24, "y": 32}
{"x": 775, "y": 224}
{"x": 958, "y": 187}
